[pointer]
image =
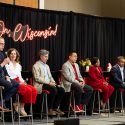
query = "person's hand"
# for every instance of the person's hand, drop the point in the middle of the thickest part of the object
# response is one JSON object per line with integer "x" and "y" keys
{"x": 105, "y": 83}
{"x": 52, "y": 83}
{"x": 8, "y": 78}
{"x": 82, "y": 83}
{"x": 5, "y": 61}
{"x": 23, "y": 83}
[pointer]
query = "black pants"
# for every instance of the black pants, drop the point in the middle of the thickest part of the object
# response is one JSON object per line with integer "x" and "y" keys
{"x": 55, "y": 96}
{"x": 10, "y": 88}
{"x": 80, "y": 96}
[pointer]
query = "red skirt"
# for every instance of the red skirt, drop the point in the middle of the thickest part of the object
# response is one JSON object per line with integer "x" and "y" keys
{"x": 27, "y": 93}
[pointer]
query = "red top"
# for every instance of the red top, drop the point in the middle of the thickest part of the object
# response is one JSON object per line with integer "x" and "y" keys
{"x": 76, "y": 75}
{"x": 95, "y": 78}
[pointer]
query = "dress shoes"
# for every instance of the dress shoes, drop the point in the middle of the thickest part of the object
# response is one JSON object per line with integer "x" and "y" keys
{"x": 51, "y": 112}
{"x": 59, "y": 112}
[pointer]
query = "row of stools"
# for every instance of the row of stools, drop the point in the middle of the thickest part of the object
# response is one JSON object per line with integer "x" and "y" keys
{"x": 44, "y": 101}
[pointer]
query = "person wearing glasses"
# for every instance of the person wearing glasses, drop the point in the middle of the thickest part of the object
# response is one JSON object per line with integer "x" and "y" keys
{"x": 10, "y": 86}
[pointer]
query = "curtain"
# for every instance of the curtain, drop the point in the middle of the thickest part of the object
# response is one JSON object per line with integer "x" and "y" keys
{"x": 88, "y": 35}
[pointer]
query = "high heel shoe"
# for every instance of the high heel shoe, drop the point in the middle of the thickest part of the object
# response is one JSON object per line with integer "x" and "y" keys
{"x": 22, "y": 112}
{"x": 15, "y": 105}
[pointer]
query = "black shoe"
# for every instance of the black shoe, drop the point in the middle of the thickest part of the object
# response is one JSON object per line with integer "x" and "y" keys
{"x": 112, "y": 111}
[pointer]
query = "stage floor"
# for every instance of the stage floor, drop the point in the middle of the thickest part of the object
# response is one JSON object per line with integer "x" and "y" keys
{"x": 89, "y": 120}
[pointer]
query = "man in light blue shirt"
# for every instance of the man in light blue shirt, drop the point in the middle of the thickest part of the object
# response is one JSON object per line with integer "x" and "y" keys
{"x": 43, "y": 80}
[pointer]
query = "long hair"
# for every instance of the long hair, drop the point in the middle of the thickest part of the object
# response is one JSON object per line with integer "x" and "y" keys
{"x": 17, "y": 54}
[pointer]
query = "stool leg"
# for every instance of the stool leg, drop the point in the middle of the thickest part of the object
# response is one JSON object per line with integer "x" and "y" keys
{"x": 2, "y": 107}
{"x": 18, "y": 109}
{"x": 44, "y": 100}
{"x": 70, "y": 104}
{"x": 46, "y": 108}
{"x": 12, "y": 111}
{"x": 42, "y": 105}
{"x": 73, "y": 96}
{"x": 93, "y": 105}
{"x": 99, "y": 102}
{"x": 85, "y": 109}
{"x": 115, "y": 102}
{"x": 108, "y": 108}
{"x": 31, "y": 112}
{"x": 121, "y": 101}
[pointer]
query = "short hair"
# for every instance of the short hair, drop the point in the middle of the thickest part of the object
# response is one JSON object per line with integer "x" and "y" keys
{"x": 70, "y": 53}
{"x": 43, "y": 52}
{"x": 94, "y": 60}
{"x": 17, "y": 54}
{"x": 119, "y": 58}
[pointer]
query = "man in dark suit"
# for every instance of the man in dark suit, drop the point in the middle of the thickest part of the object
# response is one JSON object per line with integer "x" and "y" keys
{"x": 10, "y": 86}
{"x": 117, "y": 79}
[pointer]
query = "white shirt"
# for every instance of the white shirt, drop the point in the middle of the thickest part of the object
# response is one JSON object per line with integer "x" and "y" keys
{"x": 14, "y": 71}
{"x": 122, "y": 72}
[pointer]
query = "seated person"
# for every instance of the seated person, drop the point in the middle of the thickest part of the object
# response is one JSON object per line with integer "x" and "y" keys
{"x": 72, "y": 80}
{"x": 117, "y": 79}
{"x": 43, "y": 80}
{"x": 97, "y": 81}
{"x": 10, "y": 86}
{"x": 27, "y": 92}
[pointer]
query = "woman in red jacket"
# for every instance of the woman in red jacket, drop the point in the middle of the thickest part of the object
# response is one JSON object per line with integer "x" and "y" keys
{"x": 97, "y": 81}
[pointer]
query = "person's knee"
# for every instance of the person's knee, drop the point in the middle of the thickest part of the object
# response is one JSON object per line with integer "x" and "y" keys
{"x": 54, "y": 90}
{"x": 61, "y": 90}
{"x": 15, "y": 84}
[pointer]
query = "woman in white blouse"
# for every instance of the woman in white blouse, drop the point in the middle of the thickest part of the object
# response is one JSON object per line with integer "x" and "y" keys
{"x": 28, "y": 93}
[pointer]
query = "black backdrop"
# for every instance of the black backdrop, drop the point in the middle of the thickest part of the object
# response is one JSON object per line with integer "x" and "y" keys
{"x": 88, "y": 35}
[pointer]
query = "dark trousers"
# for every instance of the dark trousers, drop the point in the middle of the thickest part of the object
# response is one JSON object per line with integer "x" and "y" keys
{"x": 55, "y": 96}
{"x": 82, "y": 95}
{"x": 10, "y": 88}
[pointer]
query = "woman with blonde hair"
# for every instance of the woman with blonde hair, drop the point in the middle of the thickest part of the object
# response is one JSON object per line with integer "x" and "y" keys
{"x": 27, "y": 92}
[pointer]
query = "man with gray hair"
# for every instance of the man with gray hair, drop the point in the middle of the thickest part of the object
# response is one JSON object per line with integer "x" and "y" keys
{"x": 42, "y": 79}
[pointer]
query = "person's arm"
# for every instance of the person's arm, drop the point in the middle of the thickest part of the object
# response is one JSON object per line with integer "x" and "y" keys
{"x": 114, "y": 74}
{"x": 2, "y": 66}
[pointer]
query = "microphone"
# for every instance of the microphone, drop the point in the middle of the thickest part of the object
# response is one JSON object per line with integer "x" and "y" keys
{"x": 5, "y": 54}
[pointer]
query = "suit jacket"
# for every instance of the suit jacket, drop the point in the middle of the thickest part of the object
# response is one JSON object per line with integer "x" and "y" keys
{"x": 3, "y": 71}
{"x": 39, "y": 77}
{"x": 116, "y": 77}
{"x": 95, "y": 78}
{"x": 68, "y": 76}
